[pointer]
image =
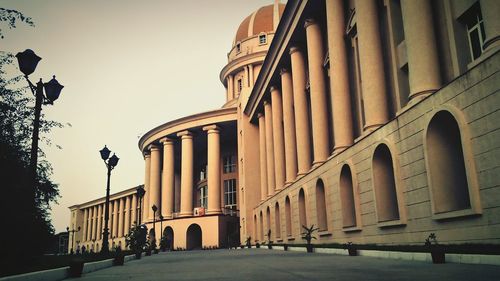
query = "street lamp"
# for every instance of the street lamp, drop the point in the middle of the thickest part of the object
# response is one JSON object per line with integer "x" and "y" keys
{"x": 28, "y": 61}
{"x": 154, "y": 208}
{"x": 111, "y": 163}
{"x": 140, "y": 194}
{"x": 73, "y": 232}
{"x": 161, "y": 226}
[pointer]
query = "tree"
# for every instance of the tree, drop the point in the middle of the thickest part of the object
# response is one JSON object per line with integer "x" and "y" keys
{"x": 10, "y": 17}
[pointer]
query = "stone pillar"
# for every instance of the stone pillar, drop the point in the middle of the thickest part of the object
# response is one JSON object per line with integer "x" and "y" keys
{"x": 319, "y": 111}
{"x": 490, "y": 9}
{"x": 339, "y": 76}
{"x": 271, "y": 181}
{"x": 126, "y": 214}
{"x": 230, "y": 87}
{"x": 186, "y": 173}
{"x": 133, "y": 213}
{"x": 278, "y": 137}
{"x": 84, "y": 230}
{"x": 167, "y": 183}
{"x": 302, "y": 129}
{"x": 423, "y": 63}
{"x": 250, "y": 73}
{"x": 89, "y": 225}
{"x": 154, "y": 196}
{"x": 120, "y": 216}
{"x": 145, "y": 199}
{"x": 214, "y": 169}
{"x": 262, "y": 156}
{"x": 115, "y": 218}
{"x": 93, "y": 223}
{"x": 289, "y": 126}
{"x": 99, "y": 222}
{"x": 371, "y": 65}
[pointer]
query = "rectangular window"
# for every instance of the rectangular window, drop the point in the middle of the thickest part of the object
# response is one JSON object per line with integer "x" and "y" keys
{"x": 229, "y": 164}
{"x": 238, "y": 47}
{"x": 240, "y": 85}
{"x": 204, "y": 196}
{"x": 203, "y": 173}
{"x": 262, "y": 39}
{"x": 230, "y": 193}
{"x": 473, "y": 21}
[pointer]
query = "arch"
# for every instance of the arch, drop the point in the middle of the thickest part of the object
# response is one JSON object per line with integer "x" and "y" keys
{"x": 261, "y": 227}
{"x": 446, "y": 164}
{"x": 384, "y": 184}
{"x": 255, "y": 227}
{"x": 302, "y": 209}
{"x": 288, "y": 217}
{"x": 321, "y": 205}
{"x": 277, "y": 220}
{"x": 193, "y": 237}
{"x": 347, "y": 197}
{"x": 268, "y": 221}
{"x": 168, "y": 232}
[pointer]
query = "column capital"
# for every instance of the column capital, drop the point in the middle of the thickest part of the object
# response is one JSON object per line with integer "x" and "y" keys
{"x": 260, "y": 115}
{"x": 211, "y": 128}
{"x": 273, "y": 88}
{"x": 185, "y": 134}
{"x": 309, "y": 22}
{"x": 284, "y": 71}
{"x": 294, "y": 49}
{"x": 153, "y": 147}
{"x": 166, "y": 141}
{"x": 266, "y": 102}
{"x": 146, "y": 154}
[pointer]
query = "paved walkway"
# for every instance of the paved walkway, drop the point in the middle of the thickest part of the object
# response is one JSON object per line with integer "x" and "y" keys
{"x": 263, "y": 264}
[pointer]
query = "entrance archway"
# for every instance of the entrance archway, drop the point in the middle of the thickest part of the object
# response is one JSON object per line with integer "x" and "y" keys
{"x": 169, "y": 234}
{"x": 193, "y": 237}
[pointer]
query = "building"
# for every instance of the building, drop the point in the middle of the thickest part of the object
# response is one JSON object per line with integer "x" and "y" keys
{"x": 373, "y": 120}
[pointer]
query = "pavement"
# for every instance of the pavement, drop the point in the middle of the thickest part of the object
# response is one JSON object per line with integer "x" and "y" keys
{"x": 263, "y": 264}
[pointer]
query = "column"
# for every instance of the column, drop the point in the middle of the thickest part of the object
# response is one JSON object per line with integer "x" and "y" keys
{"x": 268, "y": 116}
{"x": 250, "y": 73}
{"x": 154, "y": 187}
{"x": 490, "y": 11}
{"x": 230, "y": 87}
{"x": 167, "y": 182}
{"x": 89, "y": 225}
{"x": 99, "y": 222}
{"x": 186, "y": 173}
{"x": 115, "y": 218}
{"x": 319, "y": 111}
{"x": 84, "y": 230}
{"x": 289, "y": 126}
{"x": 423, "y": 63}
{"x": 262, "y": 156}
{"x": 127, "y": 214}
{"x": 120, "y": 217}
{"x": 145, "y": 199}
{"x": 371, "y": 65}
{"x": 111, "y": 219}
{"x": 214, "y": 169}
{"x": 339, "y": 76}
{"x": 301, "y": 115}
{"x": 133, "y": 215}
{"x": 278, "y": 137}
{"x": 246, "y": 80}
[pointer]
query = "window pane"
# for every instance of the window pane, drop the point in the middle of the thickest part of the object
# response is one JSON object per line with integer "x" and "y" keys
{"x": 475, "y": 43}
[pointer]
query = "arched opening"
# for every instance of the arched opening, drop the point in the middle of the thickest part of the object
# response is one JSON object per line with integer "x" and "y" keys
{"x": 385, "y": 185}
{"x": 152, "y": 236}
{"x": 168, "y": 233}
{"x": 261, "y": 227}
{"x": 448, "y": 176}
{"x": 268, "y": 223}
{"x": 347, "y": 197}
{"x": 277, "y": 220}
{"x": 321, "y": 205}
{"x": 288, "y": 217}
{"x": 302, "y": 209}
{"x": 255, "y": 227}
{"x": 193, "y": 237}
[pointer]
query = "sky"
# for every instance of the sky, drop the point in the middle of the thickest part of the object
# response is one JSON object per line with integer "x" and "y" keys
{"x": 127, "y": 67}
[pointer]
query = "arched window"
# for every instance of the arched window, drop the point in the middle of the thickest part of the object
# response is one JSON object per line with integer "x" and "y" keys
{"x": 446, "y": 165}
{"x": 321, "y": 205}
{"x": 302, "y": 209}
{"x": 277, "y": 220}
{"x": 261, "y": 227}
{"x": 384, "y": 185}
{"x": 347, "y": 197}
{"x": 268, "y": 222}
{"x": 255, "y": 228}
{"x": 288, "y": 217}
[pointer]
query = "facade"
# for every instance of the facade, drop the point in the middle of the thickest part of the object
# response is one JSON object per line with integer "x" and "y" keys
{"x": 372, "y": 120}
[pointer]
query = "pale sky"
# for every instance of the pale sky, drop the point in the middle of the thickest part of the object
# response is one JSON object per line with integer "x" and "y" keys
{"x": 127, "y": 67}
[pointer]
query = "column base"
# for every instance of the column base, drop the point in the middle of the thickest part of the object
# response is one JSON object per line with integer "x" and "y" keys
{"x": 214, "y": 212}
{"x": 317, "y": 163}
{"x": 185, "y": 214}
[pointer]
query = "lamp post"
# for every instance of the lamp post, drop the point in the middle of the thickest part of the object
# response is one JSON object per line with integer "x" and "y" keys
{"x": 154, "y": 208}
{"x": 72, "y": 232}
{"x": 28, "y": 61}
{"x": 111, "y": 163}
{"x": 161, "y": 226}
{"x": 140, "y": 194}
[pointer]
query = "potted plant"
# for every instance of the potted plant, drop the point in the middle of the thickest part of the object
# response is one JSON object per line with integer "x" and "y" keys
{"x": 76, "y": 267}
{"x": 436, "y": 250}
{"x": 285, "y": 247}
{"x": 257, "y": 245}
{"x": 351, "y": 249}
{"x": 249, "y": 242}
{"x": 308, "y": 236}
{"x": 269, "y": 241}
{"x": 119, "y": 258}
{"x": 136, "y": 239}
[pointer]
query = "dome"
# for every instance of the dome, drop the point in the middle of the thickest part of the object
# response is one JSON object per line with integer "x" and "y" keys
{"x": 264, "y": 19}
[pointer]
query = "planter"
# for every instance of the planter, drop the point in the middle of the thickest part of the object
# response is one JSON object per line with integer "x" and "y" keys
{"x": 241, "y": 246}
{"x": 285, "y": 247}
{"x": 352, "y": 252}
{"x": 309, "y": 248}
{"x": 119, "y": 259}
{"x": 269, "y": 246}
{"x": 138, "y": 255}
{"x": 438, "y": 256}
{"x": 76, "y": 267}
{"x": 257, "y": 245}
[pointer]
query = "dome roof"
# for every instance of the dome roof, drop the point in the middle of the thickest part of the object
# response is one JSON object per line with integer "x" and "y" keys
{"x": 264, "y": 19}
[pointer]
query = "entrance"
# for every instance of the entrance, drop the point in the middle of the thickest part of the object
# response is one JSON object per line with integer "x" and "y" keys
{"x": 169, "y": 234}
{"x": 193, "y": 237}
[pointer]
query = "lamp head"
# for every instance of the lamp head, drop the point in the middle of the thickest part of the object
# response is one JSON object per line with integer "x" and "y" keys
{"x": 52, "y": 89}
{"x": 154, "y": 208}
{"x": 27, "y": 61}
{"x": 140, "y": 191}
{"x": 113, "y": 161}
{"x": 105, "y": 153}
{"x": 67, "y": 228}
